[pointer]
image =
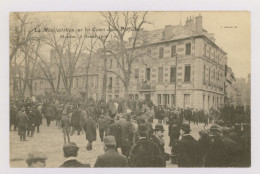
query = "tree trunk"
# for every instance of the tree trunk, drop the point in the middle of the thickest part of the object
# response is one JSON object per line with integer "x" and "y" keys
{"x": 105, "y": 80}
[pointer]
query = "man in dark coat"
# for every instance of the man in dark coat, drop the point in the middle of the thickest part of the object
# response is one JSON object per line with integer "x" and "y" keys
{"x": 111, "y": 158}
{"x": 22, "y": 121}
{"x": 157, "y": 138}
{"x": 13, "y": 116}
{"x": 70, "y": 152}
{"x": 216, "y": 156}
{"x": 75, "y": 121}
{"x": 145, "y": 153}
{"x": 174, "y": 133}
{"x": 115, "y": 130}
{"x": 90, "y": 130}
{"x": 102, "y": 126}
{"x": 187, "y": 148}
{"x": 127, "y": 135}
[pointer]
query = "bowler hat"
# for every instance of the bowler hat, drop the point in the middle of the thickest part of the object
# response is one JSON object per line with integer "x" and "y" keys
{"x": 110, "y": 140}
{"x": 159, "y": 127}
{"x": 185, "y": 127}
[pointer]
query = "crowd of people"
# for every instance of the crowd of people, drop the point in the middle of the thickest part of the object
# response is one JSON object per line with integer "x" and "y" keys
{"x": 127, "y": 127}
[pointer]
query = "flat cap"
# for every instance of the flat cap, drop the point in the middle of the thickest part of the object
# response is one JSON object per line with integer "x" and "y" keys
{"x": 35, "y": 155}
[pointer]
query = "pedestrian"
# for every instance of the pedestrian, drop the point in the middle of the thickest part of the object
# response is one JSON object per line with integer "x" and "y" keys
{"x": 70, "y": 152}
{"x": 127, "y": 135}
{"x": 75, "y": 121}
{"x": 145, "y": 153}
{"x": 174, "y": 133}
{"x": 187, "y": 148}
{"x": 65, "y": 125}
{"x": 115, "y": 130}
{"x": 111, "y": 158}
{"x": 102, "y": 126}
{"x": 90, "y": 130}
{"x": 22, "y": 121}
{"x": 216, "y": 156}
{"x": 13, "y": 117}
{"x": 157, "y": 138}
{"x": 36, "y": 160}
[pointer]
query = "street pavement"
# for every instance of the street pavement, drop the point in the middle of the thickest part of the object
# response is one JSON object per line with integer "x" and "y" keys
{"x": 50, "y": 141}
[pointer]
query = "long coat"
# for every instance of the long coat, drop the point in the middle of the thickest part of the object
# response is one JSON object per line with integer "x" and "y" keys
{"x": 22, "y": 121}
{"x": 145, "y": 153}
{"x": 75, "y": 119}
{"x": 90, "y": 129}
{"x": 188, "y": 152}
{"x": 111, "y": 158}
{"x": 127, "y": 133}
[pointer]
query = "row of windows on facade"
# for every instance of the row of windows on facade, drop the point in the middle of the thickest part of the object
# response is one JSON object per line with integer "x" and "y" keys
{"x": 211, "y": 76}
{"x": 170, "y": 100}
{"x": 187, "y": 74}
{"x": 217, "y": 58}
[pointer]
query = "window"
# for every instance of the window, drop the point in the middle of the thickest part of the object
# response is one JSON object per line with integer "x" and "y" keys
{"x": 111, "y": 62}
{"x": 136, "y": 96}
{"x": 137, "y": 73}
{"x": 35, "y": 86}
{"x": 186, "y": 100}
{"x": 117, "y": 81}
{"x": 173, "y": 100}
{"x": 204, "y": 50}
{"x": 208, "y": 102}
{"x": 188, "y": 48}
{"x": 173, "y": 74}
{"x": 166, "y": 100}
{"x": 110, "y": 82}
{"x": 159, "y": 99}
{"x": 204, "y": 74}
{"x": 173, "y": 51}
{"x": 160, "y": 74}
{"x": 149, "y": 51}
{"x": 209, "y": 74}
{"x": 148, "y": 73}
{"x": 187, "y": 73}
{"x": 203, "y": 102}
{"x": 161, "y": 52}
{"x": 209, "y": 52}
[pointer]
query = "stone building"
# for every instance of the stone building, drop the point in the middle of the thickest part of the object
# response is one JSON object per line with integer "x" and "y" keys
{"x": 178, "y": 66}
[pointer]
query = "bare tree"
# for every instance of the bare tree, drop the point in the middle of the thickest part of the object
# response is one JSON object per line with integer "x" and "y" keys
{"x": 120, "y": 24}
{"x": 68, "y": 48}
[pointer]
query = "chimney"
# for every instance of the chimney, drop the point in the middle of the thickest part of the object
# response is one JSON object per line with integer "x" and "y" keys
{"x": 190, "y": 24}
{"x": 168, "y": 33}
{"x": 198, "y": 24}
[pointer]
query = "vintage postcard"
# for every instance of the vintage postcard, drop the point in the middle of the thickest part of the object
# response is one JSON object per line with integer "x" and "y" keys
{"x": 130, "y": 89}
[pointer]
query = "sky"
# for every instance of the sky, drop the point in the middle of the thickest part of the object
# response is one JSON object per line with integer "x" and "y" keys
{"x": 231, "y": 30}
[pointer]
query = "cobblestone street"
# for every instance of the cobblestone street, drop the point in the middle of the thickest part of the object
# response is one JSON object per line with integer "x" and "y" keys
{"x": 50, "y": 141}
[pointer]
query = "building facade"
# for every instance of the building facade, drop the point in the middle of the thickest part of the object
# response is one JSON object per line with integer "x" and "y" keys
{"x": 179, "y": 66}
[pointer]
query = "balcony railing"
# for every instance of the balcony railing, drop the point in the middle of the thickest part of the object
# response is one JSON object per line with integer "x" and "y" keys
{"x": 144, "y": 87}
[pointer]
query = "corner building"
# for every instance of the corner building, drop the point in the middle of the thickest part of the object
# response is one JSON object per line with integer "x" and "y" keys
{"x": 179, "y": 66}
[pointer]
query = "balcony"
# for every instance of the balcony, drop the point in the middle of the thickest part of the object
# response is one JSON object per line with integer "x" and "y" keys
{"x": 146, "y": 87}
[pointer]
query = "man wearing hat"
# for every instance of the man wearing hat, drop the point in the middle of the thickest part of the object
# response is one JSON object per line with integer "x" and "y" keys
{"x": 145, "y": 153}
{"x": 111, "y": 158}
{"x": 127, "y": 135}
{"x": 187, "y": 148}
{"x": 216, "y": 156}
{"x": 70, "y": 152}
{"x": 90, "y": 130}
{"x": 36, "y": 159}
{"x": 157, "y": 138}
{"x": 22, "y": 121}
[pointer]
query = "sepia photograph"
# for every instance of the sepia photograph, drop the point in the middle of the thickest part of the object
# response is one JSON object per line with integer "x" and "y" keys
{"x": 130, "y": 89}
